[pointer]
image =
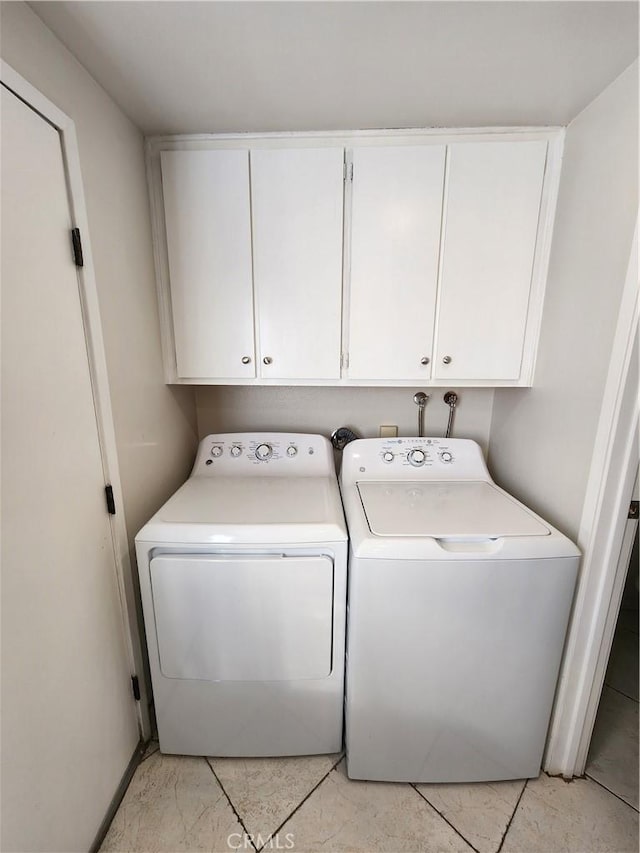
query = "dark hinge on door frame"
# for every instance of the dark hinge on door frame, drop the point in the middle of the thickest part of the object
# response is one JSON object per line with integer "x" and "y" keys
{"x": 111, "y": 503}
{"x": 77, "y": 247}
{"x": 633, "y": 510}
{"x": 135, "y": 687}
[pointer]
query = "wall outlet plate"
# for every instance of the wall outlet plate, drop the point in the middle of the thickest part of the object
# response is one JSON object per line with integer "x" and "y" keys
{"x": 388, "y": 431}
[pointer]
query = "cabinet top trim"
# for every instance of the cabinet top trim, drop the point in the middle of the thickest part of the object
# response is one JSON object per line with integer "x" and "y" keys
{"x": 345, "y": 138}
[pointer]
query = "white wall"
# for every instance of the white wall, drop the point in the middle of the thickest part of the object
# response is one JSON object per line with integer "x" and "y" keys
{"x": 542, "y": 438}
{"x": 321, "y": 410}
{"x": 155, "y": 425}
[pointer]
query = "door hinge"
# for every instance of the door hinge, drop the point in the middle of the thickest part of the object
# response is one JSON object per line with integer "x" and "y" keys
{"x": 344, "y": 360}
{"x": 347, "y": 171}
{"x": 111, "y": 504}
{"x": 77, "y": 247}
{"x": 633, "y": 510}
{"x": 135, "y": 687}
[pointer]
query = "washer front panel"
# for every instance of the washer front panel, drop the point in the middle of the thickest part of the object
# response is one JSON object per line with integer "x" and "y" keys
{"x": 452, "y": 666}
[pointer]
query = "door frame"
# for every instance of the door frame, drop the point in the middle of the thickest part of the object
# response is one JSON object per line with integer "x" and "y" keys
{"x": 614, "y": 466}
{"x": 88, "y": 292}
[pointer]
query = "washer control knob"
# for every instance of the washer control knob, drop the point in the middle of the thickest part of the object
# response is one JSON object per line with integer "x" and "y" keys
{"x": 292, "y": 450}
{"x": 446, "y": 456}
{"x": 416, "y": 456}
{"x": 388, "y": 456}
{"x": 216, "y": 450}
{"x": 236, "y": 451}
{"x": 264, "y": 452}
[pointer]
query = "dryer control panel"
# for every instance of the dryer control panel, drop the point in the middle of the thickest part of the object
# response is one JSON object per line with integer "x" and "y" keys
{"x": 413, "y": 459}
{"x": 270, "y": 453}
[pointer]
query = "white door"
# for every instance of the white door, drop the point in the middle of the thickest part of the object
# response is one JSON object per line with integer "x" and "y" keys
{"x": 297, "y": 202}
{"x": 69, "y": 724}
{"x": 490, "y": 227}
{"x": 242, "y": 617}
{"x": 207, "y": 216}
{"x": 395, "y": 240}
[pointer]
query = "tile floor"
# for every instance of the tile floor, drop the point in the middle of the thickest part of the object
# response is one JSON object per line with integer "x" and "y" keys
{"x": 308, "y": 804}
{"x": 613, "y": 755}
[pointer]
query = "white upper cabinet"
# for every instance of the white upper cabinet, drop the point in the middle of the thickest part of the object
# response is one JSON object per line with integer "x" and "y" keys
{"x": 490, "y": 227}
{"x": 361, "y": 258}
{"x": 396, "y": 212}
{"x": 208, "y": 231}
{"x": 297, "y": 206}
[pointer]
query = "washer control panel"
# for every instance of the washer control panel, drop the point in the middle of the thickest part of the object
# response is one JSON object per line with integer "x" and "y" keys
{"x": 274, "y": 454}
{"x": 412, "y": 458}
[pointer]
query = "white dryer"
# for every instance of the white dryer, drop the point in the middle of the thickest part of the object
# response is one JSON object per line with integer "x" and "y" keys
{"x": 243, "y": 584}
{"x": 459, "y": 598}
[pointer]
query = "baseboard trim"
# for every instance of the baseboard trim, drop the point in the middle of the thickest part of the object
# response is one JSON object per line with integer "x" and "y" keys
{"x": 117, "y": 797}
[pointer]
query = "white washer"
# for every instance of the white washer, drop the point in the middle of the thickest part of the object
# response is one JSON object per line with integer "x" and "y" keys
{"x": 459, "y": 598}
{"x": 243, "y": 584}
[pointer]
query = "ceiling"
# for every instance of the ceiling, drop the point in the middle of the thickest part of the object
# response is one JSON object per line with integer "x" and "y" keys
{"x": 189, "y": 67}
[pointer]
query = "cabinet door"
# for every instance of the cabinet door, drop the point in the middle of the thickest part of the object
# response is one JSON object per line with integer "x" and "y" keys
{"x": 207, "y": 214}
{"x": 490, "y": 227}
{"x": 297, "y": 201}
{"x": 395, "y": 239}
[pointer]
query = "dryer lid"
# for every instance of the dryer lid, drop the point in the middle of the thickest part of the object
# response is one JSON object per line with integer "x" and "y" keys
{"x": 252, "y": 501}
{"x": 246, "y": 510}
{"x": 445, "y": 510}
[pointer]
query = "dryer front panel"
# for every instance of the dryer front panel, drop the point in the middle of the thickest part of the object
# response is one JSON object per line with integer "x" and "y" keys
{"x": 243, "y": 618}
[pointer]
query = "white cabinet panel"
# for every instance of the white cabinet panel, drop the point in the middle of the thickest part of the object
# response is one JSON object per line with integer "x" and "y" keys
{"x": 490, "y": 226}
{"x": 297, "y": 203}
{"x": 207, "y": 215}
{"x": 395, "y": 239}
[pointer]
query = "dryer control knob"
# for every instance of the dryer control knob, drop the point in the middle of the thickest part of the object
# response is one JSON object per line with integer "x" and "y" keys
{"x": 416, "y": 456}
{"x": 216, "y": 450}
{"x": 264, "y": 452}
{"x": 446, "y": 456}
{"x": 388, "y": 456}
{"x": 292, "y": 450}
{"x": 236, "y": 451}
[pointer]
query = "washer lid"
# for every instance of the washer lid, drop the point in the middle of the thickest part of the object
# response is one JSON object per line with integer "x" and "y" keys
{"x": 445, "y": 509}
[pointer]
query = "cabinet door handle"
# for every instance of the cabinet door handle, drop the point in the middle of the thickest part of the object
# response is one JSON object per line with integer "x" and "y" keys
{"x": 446, "y": 359}
{"x": 246, "y": 359}
{"x": 267, "y": 359}
{"x": 424, "y": 360}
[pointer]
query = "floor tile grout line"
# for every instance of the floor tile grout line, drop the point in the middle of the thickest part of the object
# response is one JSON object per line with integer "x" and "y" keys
{"x": 439, "y": 813}
{"x": 621, "y": 692}
{"x": 602, "y": 785}
{"x": 513, "y": 814}
{"x": 304, "y": 800}
{"x": 233, "y": 808}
